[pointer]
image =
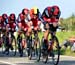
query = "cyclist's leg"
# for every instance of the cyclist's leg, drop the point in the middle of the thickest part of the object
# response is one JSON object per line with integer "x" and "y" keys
{"x": 36, "y": 41}
{"x": 53, "y": 28}
{"x": 7, "y": 45}
{"x": 29, "y": 39}
{"x": 13, "y": 39}
{"x": 46, "y": 33}
{"x": 10, "y": 36}
{"x": 4, "y": 41}
{"x": 29, "y": 33}
{"x": 19, "y": 41}
{"x": 45, "y": 44}
{"x": 19, "y": 38}
{"x": 3, "y": 37}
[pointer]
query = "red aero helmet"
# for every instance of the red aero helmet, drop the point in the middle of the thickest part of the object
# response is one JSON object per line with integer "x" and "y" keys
{"x": 12, "y": 16}
{"x": 4, "y": 16}
{"x": 25, "y": 11}
{"x": 55, "y": 10}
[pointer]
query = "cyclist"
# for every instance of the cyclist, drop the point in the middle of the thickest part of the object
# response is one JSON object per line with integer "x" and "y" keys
{"x": 4, "y": 22}
{"x": 35, "y": 22}
{"x": 50, "y": 18}
{"x": 10, "y": 29}
{"x": 23, "y": 23}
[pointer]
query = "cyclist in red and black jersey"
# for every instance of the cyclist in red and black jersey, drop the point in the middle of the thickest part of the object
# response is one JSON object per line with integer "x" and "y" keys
{"x": 50, "y": 18}
{"x": 10, "y": 29}
{"x": 35, "y": 21}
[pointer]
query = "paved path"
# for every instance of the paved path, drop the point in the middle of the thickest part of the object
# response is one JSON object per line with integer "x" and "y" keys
{"x": 16, "y": 60}
{"x": 64, "y": 60}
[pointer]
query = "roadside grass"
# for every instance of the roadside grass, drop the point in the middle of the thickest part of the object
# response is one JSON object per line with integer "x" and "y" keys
{"x": 65, "y": 35}
{"x": 61, "y": 37}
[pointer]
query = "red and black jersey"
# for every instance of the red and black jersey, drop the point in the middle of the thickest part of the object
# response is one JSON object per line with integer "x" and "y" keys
{"x": 12, "y": 25}
{"x": 35, "y": 22}
{"x": 24, "y": 23}
{"x": 51, "y": 14}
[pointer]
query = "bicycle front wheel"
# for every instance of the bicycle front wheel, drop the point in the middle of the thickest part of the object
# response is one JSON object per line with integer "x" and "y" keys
{"x": 55, "y": 52}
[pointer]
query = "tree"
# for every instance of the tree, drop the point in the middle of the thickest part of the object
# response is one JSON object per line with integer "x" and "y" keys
{"x": 68, "y": 23}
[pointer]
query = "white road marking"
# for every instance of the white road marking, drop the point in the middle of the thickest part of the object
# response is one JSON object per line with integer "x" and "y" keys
{"x": 7, "y": 62}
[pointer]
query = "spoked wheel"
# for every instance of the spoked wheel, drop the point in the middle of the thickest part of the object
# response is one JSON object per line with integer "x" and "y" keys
{"x": 45, "y": 56}
{"x": 55, "y": 52}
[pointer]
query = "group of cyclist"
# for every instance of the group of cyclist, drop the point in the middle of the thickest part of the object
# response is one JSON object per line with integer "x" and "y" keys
{"x": 29, "y": 21}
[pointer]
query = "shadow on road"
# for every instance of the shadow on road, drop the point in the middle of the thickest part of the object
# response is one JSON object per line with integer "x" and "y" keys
{"x": 41, "y": 63}
{"x": 67, "y": 63}
{"x": 11, "y": 54}
{"x": 49, "y": 63}
{"x": 34, "y": 62}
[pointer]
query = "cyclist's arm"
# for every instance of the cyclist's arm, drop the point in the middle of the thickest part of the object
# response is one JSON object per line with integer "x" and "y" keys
{"x": 6, "y": 21}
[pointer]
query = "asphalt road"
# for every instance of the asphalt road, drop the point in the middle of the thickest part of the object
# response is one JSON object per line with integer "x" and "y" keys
{"x": 24, "y": 61}
{"x": 16, "y": 60}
